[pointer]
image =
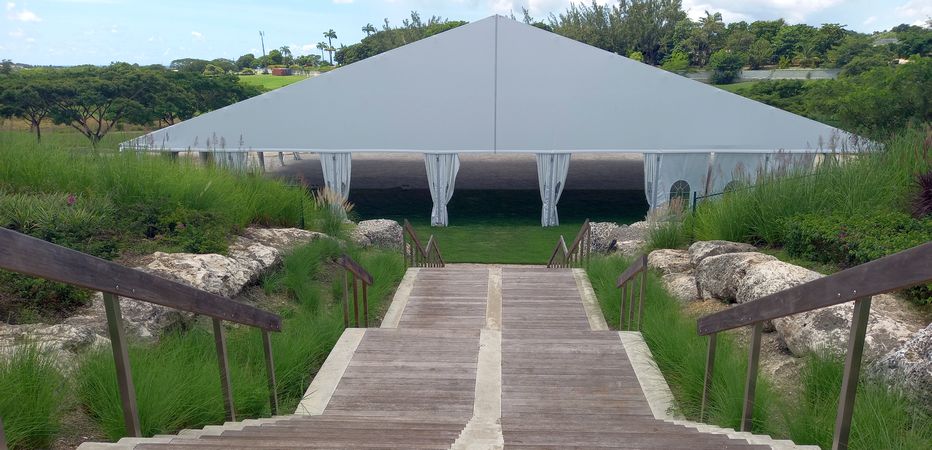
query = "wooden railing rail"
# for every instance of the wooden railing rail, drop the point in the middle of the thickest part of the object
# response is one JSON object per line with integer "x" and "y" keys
{"x": 417, "y": 255}
{"x": 629, "y": 282}
{"x": 30, "y": 256}
{"x": 359, "y": 276}
{"x": 858, "y": 284}
{"x": 577, "y": 253}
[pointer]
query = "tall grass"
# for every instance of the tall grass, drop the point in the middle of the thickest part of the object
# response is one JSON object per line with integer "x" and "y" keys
{"x": 863, "y": 184}
{"x": 30, "y": 398}
{"x": 883, "y": 417}
{"x": 680, "y": 352}
{"x": 140, "y": 184}
{"x": 177, "y": 381}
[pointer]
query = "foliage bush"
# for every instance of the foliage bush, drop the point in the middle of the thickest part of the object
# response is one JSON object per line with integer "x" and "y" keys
{"x": 726, "y": 66}
{"x": 849, "y": 241}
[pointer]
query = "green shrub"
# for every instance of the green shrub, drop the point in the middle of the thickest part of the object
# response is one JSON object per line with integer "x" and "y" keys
{"x": 850, "y": 241}
{"x": 30, "y": 398}
{"x": 726, "y": 66}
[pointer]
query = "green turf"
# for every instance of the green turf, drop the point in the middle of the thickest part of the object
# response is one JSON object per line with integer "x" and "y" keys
{"x": 499, "y": 226}
{"x": 270, "y": 82}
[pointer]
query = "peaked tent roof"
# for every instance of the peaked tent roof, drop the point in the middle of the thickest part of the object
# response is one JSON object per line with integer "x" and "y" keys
{"x": 495, "y": 86}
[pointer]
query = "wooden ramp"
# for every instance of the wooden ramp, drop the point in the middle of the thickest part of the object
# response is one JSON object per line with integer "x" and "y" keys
{"x": 473, "y": 357}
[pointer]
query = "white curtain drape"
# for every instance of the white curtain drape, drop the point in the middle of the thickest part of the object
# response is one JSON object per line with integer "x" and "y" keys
{"x": 441, "y": 178}
{"x": 551, "y": 177}
{"x": 337, "y": 168}
{"x": 651, "y": 162}
{"x": 728, "y": 167}
{"x": 692, "y": 168}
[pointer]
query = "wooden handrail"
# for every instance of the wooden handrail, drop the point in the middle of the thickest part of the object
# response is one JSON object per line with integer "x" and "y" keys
{"x": 561, "y": 251}
{"x": 577, "y": 252}
{"x": 858, "y": 284}
{"x": 30, "y": 256}
{"x": 890, "y": 273}
{"x": 637, "y": 266}
{"x": 358, "y": 273}
{"x": 626, "y": 312}
{"x": 417, "y": 255}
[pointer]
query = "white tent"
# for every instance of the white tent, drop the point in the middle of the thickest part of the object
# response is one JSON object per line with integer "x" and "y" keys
{"x": 497, "y": 85}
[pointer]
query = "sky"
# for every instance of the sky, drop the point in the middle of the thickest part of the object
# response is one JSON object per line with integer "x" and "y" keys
{"x": 70, "y": 32}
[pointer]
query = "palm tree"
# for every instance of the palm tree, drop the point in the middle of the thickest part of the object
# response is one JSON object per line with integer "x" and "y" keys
{"x": 368, "y": 29}
{"x": 322, "y": 46}
{"x": 330, "y": 35}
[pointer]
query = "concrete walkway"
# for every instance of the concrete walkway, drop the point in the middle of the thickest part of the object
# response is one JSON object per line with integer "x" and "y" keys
{"x": 480, "y": 357}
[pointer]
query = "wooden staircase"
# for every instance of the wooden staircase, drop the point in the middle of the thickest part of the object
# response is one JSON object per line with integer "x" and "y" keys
{"x": 477, "y": 357}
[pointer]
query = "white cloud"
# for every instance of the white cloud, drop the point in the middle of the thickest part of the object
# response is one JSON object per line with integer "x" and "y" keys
{"x": 792, "y": 10}
{"x": 17, "y": 33}
{"x": 197, "y": 35}
{"x": 915, "y": 11}
{"x": 23, "y": 15}
{"x": 10, "y": 6}
{"x": 870, "y": 20}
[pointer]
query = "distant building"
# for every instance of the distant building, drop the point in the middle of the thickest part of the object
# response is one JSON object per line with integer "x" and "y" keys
{"x": 281, "y": 71}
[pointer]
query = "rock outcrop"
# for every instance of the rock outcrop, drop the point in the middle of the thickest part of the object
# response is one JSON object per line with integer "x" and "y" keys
{"x": 682, "y": 286}
{"x": 827, "y": 330}
{"x": 704, "y": 249}
{"x": 668, "y": 261}
{"x": 256, "y": 251}
{"x": 910, "y": 366}
{"x": 719, "y": 276}
{"x": 382, "y": 233}
{"x": 603, "y": 233}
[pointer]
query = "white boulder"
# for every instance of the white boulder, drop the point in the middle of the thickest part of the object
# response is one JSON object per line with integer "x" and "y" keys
{"x": 703, "y": 249}
{"x": 719, "y": 276}
{"x": 383, "y": 233}
{"x": 669, "y": 261}
{"x": 910, "y": 366}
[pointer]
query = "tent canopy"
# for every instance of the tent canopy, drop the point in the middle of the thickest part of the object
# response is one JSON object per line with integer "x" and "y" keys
{"x": 497, "y": 85}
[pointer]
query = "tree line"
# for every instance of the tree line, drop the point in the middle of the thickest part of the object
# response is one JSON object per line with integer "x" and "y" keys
{"x": 93, "y": 100}
{"x": 659, "y": 32}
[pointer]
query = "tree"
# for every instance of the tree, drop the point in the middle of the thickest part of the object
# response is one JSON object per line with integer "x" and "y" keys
{"x": 330, "y": 35}
{"x": 92, "y": 100}
{"x": 637, "y": 56}
{"x": 677, "y": 62}
{"x": 6, "y": 67}
{"x": 759, "y": 54}
{"x": 322, "y": 46}
{"x": 275, "y": 57}
{"x": 726, "y": 66}
{"x": 28, "y": 97}
{"x": 287, "y": 57}
{"x": 368, "y": 29}
{"x": 189, "y": 65}
{"x": 213, "y": 71}
{"x": 246, "y": 61}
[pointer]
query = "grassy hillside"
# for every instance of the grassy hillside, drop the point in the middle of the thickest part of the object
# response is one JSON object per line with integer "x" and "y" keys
{"x": 270, "y": 82}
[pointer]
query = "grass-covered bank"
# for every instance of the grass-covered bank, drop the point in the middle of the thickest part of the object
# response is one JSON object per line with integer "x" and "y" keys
{"x": 842, "y": 214}
{"x": 117, "y": 205}
{"x": 883, "y": 417}
{"x": 176, "y": 380}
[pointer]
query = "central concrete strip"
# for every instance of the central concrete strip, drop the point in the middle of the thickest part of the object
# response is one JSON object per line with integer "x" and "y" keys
{"x": 484, "y": 430}
{"x": 400, "y": 300}
{"x": 328, "y": 377}
{"x": 493, "y": 309}
{"x": 590, "y": 301}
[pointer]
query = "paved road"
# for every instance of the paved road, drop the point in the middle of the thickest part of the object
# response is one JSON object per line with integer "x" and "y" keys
{"x": 477, "y": 171}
